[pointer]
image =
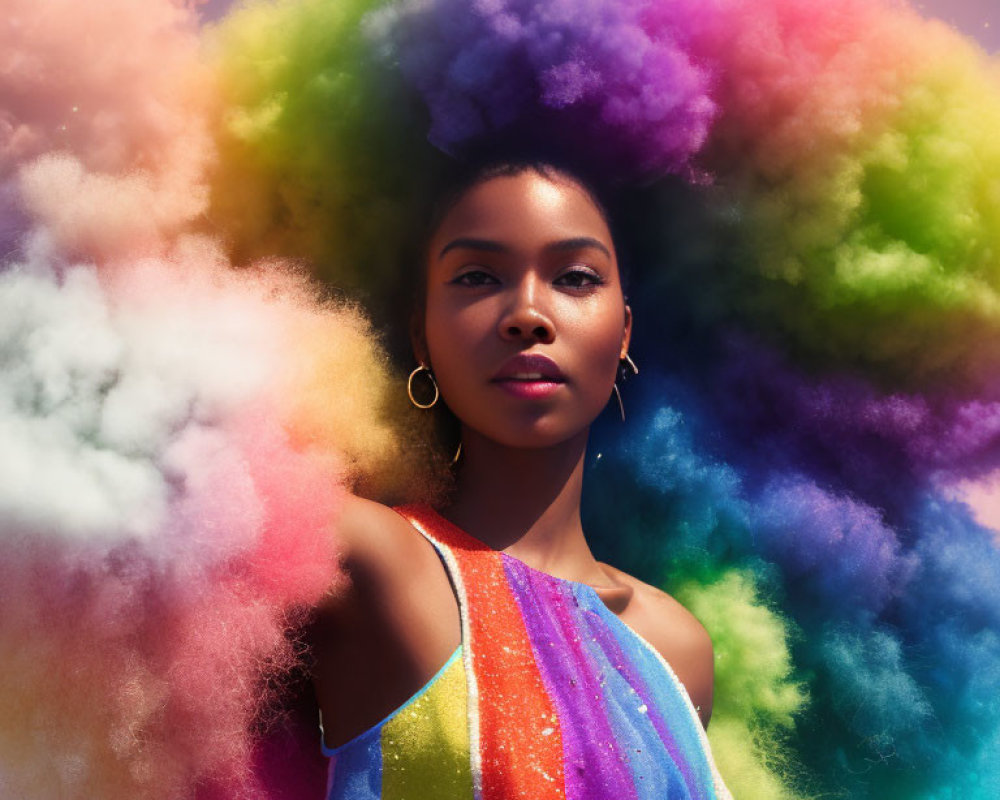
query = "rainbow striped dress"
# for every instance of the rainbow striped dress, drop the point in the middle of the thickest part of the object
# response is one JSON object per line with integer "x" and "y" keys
{"x": 549, "y": 696}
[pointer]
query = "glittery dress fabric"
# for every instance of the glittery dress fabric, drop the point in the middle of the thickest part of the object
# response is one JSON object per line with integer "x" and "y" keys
{"x": 550, "y": 695}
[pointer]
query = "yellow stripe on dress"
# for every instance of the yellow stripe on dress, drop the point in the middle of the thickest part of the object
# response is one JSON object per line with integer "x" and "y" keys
{"x": 425, "y": 748}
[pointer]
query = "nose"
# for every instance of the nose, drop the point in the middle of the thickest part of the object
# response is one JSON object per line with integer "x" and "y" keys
{"x": 524, "y": 318}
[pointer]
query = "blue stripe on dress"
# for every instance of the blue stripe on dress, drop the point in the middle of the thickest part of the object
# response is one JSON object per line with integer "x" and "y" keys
{"x": 667, "y": 707}
{"x": 655, "y": 774}
{"x": 356, "y": 768}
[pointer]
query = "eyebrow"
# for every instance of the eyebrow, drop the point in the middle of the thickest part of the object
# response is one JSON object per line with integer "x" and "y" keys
{"x": 466, "y": 243}
{"x": 491, "y": 246}
{"x": 579, "y": 243}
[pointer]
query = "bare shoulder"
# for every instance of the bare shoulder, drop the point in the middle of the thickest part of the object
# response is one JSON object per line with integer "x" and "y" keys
{"x": 367, "y": 529}
{"x": 396, "y": 588}
{"x": 676, "y": 634}
{"x": 377, "y": 545}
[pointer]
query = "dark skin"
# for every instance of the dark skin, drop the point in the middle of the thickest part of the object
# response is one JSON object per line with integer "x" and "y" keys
{"x": 520, "y": 264}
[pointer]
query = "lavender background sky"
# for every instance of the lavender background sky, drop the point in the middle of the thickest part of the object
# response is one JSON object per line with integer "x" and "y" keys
{"x": 978, "y": 18}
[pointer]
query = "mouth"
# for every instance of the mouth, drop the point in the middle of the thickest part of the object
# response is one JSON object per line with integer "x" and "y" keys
{"x": 530, "y": 367}
{"x": 530, "y": 376}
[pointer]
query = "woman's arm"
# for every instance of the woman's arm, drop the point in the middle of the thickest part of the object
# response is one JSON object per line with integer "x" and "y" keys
{"x": 389, "y": 628}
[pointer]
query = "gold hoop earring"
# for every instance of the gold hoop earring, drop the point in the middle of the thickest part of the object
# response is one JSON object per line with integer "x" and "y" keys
{"x": 630, "y": 363}
{"x": 409, "y": 387}
{"x": 458, "y": 455}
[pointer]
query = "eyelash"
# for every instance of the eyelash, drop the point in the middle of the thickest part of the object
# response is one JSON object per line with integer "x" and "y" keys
{"x": 465, "y": 278}
{"x": 592, "y": 276}
{"x": 474, "y": 278}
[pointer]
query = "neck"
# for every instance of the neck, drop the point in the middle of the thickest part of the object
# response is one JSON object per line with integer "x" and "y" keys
{"x": 526, "y": 502}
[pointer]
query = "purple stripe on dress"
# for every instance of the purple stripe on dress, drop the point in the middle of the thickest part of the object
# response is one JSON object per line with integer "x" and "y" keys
{"x": 596, "y": 620}
{"x": 594, "y": 766}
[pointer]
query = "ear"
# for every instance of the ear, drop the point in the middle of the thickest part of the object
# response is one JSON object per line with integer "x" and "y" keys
{"x": 418, "y": 339}
{"x": 627, "y": 333}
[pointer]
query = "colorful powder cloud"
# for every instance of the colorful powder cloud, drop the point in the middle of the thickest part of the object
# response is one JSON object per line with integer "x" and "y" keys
{"x": 170, "y": 478}
{"x": 855, "y": 140}
{"x": 159, "y": 528}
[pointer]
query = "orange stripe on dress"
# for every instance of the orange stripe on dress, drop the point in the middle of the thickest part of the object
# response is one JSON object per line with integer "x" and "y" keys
{"x": 520, "y": 744}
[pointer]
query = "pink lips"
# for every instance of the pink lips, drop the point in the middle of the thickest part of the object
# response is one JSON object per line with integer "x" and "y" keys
{"x": 529, "y": 376}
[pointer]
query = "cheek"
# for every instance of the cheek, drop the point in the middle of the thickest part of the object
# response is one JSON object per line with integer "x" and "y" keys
{"x": 597, "y": 335}
{"x": 453, "y": 335}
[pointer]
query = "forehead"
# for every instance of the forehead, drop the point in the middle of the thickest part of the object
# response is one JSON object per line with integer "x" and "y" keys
{"x": 525, "y": 206}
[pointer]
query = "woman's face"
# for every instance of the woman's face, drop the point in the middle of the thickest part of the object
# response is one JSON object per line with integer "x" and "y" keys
{"x": 525, "y": 321}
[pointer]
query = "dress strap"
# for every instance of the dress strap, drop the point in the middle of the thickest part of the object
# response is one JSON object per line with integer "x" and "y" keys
{"x": 514, "y": 733}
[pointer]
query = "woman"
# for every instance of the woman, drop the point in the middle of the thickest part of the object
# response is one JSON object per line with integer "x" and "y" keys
{"x": 522, "y": 329}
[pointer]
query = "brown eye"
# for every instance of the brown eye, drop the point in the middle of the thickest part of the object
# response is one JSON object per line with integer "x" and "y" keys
{"x": 579, "y": 278}
{"x": 474, "y": 277}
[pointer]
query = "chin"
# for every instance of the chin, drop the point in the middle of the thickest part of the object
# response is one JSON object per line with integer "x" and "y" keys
{"x": 534, "y": 435}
